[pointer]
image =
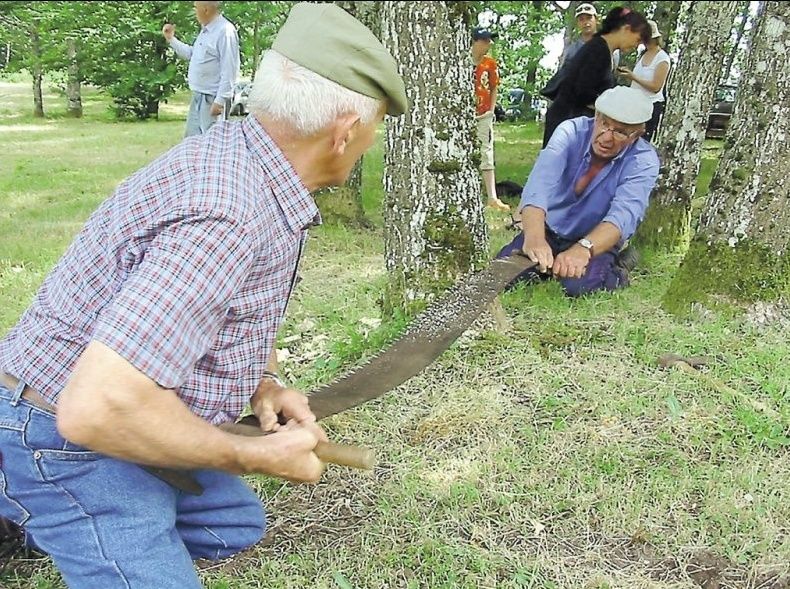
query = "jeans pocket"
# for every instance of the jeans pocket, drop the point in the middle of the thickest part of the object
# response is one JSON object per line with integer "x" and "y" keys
{"x": 71, "y": 454}
{"x": 59, "y": 466}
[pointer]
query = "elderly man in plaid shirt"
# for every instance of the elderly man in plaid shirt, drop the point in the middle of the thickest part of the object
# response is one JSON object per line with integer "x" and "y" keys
{"x": 158, "y": 323}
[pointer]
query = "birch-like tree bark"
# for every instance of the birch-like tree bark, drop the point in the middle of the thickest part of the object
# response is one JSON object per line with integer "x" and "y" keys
{"x": 735, "y": 49}
{"x": 434, "y": 226}
{"x": 682, "y": 133}
{"x": 740, "y": 252}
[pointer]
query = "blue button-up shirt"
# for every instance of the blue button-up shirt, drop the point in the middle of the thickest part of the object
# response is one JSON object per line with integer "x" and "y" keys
{"x": 213, "y": 59}
{"x": 618, "y": 194}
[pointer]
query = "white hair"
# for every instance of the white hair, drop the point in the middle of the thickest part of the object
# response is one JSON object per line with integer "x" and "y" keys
{"x": 302, "y": 99}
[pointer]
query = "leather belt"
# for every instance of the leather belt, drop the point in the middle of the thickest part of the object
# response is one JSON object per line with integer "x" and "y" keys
{"x": 28, "y": 394}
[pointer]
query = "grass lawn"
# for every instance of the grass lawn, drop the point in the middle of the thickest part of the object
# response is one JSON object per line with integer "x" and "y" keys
{"x": 553, "y": 455}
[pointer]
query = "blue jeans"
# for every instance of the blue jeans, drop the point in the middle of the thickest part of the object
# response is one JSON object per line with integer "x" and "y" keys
{"x": 602, "y": 271}
{"x": 108, "y": 523}
{"x": 199, "y": 117}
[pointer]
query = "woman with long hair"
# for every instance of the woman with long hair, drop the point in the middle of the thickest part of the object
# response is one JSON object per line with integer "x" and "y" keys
{"x": 590, "y": 71}
{"x": 650, "y": 76}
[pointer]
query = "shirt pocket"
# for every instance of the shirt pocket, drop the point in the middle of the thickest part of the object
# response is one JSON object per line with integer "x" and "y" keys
{"x": 208, "y": 54}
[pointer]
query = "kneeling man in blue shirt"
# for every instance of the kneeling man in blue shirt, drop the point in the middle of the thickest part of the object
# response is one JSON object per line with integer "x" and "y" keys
{"x": 587, "y": 193}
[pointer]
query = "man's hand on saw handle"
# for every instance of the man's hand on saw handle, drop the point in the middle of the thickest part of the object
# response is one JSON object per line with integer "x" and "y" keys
{"x": 275, "y": 404}
{"x": 283, "y": 410}
{"x": 288, "y": 453}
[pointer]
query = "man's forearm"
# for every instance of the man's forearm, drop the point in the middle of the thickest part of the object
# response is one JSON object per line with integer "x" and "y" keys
{"x": 533, "y": 223}
{"x": 129, "y": 417}
{"x": 604, "y": 237}
{"x": 182, "y": 50}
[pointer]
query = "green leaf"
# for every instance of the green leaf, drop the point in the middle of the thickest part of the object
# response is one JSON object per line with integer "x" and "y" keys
{"x": 675, "y": 410}
{"x": 341, "y": 581}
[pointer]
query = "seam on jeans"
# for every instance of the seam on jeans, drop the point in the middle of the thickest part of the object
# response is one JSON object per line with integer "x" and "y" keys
{"x": 11, "y": 426}
{"x": 23, "y": 441}
{"x": 221, "y": 541}
{"x": 14, "y": 503}
{"x": 91, "y": 521}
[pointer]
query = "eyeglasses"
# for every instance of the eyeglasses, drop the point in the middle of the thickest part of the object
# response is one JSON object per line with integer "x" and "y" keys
{"x": 607, "y": 124}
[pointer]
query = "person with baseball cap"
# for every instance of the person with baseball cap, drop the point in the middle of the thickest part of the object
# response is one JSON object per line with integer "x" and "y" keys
{"x": 587, "y": 25}
{"x": 486, "y": 85}
{"x": 159, "y": 322}
{"x": 587, "y": 193}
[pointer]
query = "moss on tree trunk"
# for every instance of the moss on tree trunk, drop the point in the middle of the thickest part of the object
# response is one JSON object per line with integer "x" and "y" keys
{"x": 718, "y": 276}
{"x": 343, "y": 204}
{"x": 666, "y": 226}
{"x": 739, "y": 256}
{"x": 682, "y": 132}
{"x": 434, "y": 225}
{"x": 449, "y": 250}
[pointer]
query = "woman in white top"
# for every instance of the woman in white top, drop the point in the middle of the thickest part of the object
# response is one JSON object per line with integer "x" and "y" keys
{"x": 650, "y": 75}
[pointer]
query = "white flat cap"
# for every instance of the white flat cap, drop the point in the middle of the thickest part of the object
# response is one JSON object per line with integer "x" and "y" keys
{"x": 625, "y": 104}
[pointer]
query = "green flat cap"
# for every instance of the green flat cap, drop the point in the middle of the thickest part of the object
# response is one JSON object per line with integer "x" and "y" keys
{"x": 327, "y": 40}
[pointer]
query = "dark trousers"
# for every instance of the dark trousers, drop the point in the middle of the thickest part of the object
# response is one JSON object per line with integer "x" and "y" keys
{"x": 652, "y": 124}
{"x": 560, "y": 111}
{"x": 602, "y": 271}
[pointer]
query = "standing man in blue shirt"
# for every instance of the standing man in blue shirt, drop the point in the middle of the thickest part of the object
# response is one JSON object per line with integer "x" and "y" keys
{"x": 213, "y": 66}
{"x": 587, "y": 193}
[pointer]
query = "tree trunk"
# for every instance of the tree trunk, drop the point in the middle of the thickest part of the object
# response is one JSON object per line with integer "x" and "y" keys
{"x": 570, "y": 27}
{"x": 343, "y": 204}
{"x": 152, "y": 108}
{"x": 435, "y": 229}
{"x": 73, "y": 93}
{"x": 256, "y": 46}
{"x": 38, "y": 74}
{"x": 743, "y": 242}
{"x": 666, "y": 16}
{"x": 366, "y": 12}
{"x": 681, "y": 135}
{"x": 725, "y": 77}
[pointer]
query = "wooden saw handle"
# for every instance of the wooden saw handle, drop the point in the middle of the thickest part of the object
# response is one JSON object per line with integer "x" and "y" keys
{"x": 342, "y": 454}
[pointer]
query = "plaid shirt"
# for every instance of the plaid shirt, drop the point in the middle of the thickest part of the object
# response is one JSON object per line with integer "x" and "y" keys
{"x": 185, "y": 272}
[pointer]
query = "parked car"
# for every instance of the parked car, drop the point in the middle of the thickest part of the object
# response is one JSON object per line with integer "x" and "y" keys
{"x": 241, "y": 92}
{"x": 720, "y": 113}
{"x": 515, "y": 107}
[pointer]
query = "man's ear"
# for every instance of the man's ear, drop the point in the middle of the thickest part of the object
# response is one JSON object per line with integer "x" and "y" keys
{"x": 344, "y": 130}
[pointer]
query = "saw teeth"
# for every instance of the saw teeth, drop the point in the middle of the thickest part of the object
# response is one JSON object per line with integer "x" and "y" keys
{"x": 429, "y": 334}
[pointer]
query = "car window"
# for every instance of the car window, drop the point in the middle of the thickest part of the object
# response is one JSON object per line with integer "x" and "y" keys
{"x": 724, "y": 94}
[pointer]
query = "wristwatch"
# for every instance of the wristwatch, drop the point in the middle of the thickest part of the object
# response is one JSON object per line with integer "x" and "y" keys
{"x": 586, "y": 244}
{"x": 274, "y": 378}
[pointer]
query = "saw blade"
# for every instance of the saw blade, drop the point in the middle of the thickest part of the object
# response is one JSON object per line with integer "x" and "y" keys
{"x": 430, "y": 334}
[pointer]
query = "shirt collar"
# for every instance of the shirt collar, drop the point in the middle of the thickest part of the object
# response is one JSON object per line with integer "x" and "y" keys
{"x": 293, "y": 198}
{"x": 214, "y": 23}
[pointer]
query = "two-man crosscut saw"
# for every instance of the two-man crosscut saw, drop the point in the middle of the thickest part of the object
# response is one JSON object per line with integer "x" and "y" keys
{"x": 430, "y": 334}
